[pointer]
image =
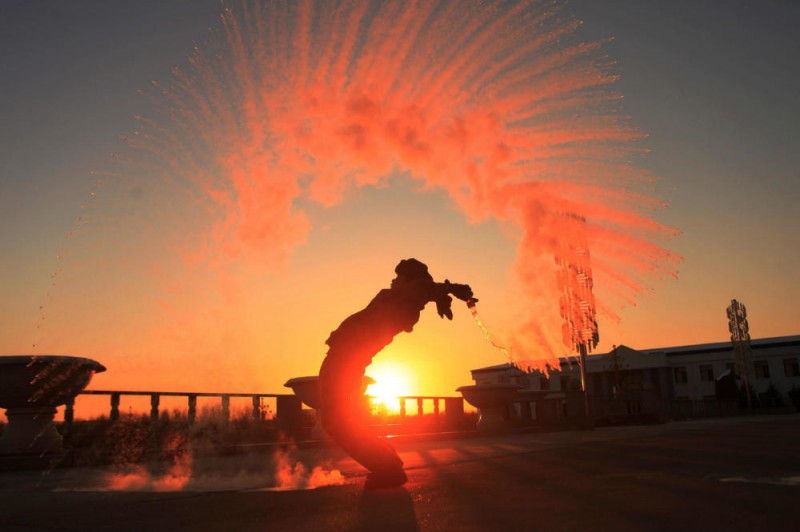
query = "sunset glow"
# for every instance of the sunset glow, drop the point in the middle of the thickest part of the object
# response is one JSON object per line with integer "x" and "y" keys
{"x": 197, "y": 195}
{"x": 391, "y": 382}
{"x": 290, "y": 107}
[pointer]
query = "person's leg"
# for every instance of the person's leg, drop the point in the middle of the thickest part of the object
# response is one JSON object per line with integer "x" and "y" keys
{"x": 383, "y": 462}
{"x": 340, "y": 390}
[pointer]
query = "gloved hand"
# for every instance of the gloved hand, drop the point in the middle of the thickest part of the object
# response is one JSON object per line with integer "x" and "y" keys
{"x": 443, "y": 307}
{"x": 461, "y": 291}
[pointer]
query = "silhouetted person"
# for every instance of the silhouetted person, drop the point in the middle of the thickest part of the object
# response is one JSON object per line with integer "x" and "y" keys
{"x": 351, "y": 348}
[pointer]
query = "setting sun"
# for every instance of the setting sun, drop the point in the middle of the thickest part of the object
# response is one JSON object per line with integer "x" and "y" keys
{"x": 391, "y": 382}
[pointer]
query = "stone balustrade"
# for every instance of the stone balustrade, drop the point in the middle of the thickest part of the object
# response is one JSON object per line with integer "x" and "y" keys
{"x": 288, "y": 406}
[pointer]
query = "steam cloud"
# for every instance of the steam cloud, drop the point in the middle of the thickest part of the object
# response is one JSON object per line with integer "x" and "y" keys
{"x": 183, "y": 474}
{"x": 496, "y": 103}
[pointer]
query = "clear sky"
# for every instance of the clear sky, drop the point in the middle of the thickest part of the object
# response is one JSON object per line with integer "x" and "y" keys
{"x": 713, "y": 84}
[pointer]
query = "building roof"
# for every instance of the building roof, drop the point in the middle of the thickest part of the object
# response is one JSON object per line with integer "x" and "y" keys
{"x": 777, "y": 341}
{"x": 623, "y": 350}
{"x": 499, "y": 367}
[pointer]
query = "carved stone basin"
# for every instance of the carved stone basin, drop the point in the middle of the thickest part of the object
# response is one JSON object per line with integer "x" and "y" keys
{"x": 31, "y": 387}
{"x": 492, "y": 402}
{"x": 307, "y": 390}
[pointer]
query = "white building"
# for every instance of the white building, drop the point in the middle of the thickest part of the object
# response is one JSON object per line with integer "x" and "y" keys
{"x": 774, "y": 362}
{"x": 645, "y": 381}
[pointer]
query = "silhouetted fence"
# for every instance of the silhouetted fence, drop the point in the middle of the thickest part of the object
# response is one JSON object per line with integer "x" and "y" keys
{"x": 288, "y": 406}
{"x": 453, "y": 406}
{"x": 284, "y": 402}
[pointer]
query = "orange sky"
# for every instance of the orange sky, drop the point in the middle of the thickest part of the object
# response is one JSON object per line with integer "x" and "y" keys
{"x": 259, "y": 200}
{"x": 271, "y": 327}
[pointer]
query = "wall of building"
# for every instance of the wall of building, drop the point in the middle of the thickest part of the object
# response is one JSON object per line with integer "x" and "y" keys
{"x": 772, "y": 357}
{"x": 687, "y": 372}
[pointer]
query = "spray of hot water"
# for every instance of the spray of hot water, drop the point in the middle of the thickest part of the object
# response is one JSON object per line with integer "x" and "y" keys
{"x": 499, "y": 105}
{"x": 473, "y": 308}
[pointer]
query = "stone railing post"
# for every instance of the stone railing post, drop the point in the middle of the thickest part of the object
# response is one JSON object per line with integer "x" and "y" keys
{"x": 256, "y": 407}
{"x": 402, "y": 408}
{"x": 436, "y": 409}
{"x": 192, "y": 408}
{"x": 155, "y": 400}
{"x": 69, "y": 414}
{"x": 114, "y": 407}
{"x": 289, "y": 413}
{"x": 454, "y": 410}
{"x": 419, "y": 406}
{"x": 226, "y": 407}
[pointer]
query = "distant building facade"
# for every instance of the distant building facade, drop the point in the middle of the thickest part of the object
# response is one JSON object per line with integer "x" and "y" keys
{"x": 625, "y": 382}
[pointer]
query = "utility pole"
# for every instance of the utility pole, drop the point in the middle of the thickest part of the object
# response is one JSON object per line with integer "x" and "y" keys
{"x": 740, "y": 339}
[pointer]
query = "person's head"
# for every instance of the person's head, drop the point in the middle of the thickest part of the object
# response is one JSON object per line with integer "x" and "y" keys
{"x": 410, "y": 270}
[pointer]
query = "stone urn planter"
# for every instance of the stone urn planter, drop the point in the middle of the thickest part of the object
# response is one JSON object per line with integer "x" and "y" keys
{"x": 31, "y": 387}
{"x": 307, "y": 390}
{"x": 492, "y": 402}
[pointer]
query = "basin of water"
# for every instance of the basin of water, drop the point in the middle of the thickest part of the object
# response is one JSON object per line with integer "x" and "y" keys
{"x": 307, "y": 390}
{"x": 492, "y": 402}
{"x": 31, "y": 387}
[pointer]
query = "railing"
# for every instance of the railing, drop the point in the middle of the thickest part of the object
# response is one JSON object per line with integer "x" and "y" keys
{"x": 288, "y": 406}
{"x": 454, "y": 406}
{"x": 401, "y": 421}
{"x": 529, "y": 412}
{"x": 284, "y": 402}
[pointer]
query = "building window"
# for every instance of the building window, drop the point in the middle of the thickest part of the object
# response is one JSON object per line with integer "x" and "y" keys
{"x": 791, "y": 368}
{"x": 544, "y": 383}
{"x": 706, "y": 373}
{"x": 680, "y": 375}
{"x": 761, "y": 369}
{"x": 564, "y": 383}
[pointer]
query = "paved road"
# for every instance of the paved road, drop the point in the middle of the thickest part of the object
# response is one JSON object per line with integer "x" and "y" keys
{"x": 726, "y": 474}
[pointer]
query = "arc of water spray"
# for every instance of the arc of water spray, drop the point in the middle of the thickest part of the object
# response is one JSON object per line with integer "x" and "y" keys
{"x": 473, "y": 308}
{"x": 498, "y": 104}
